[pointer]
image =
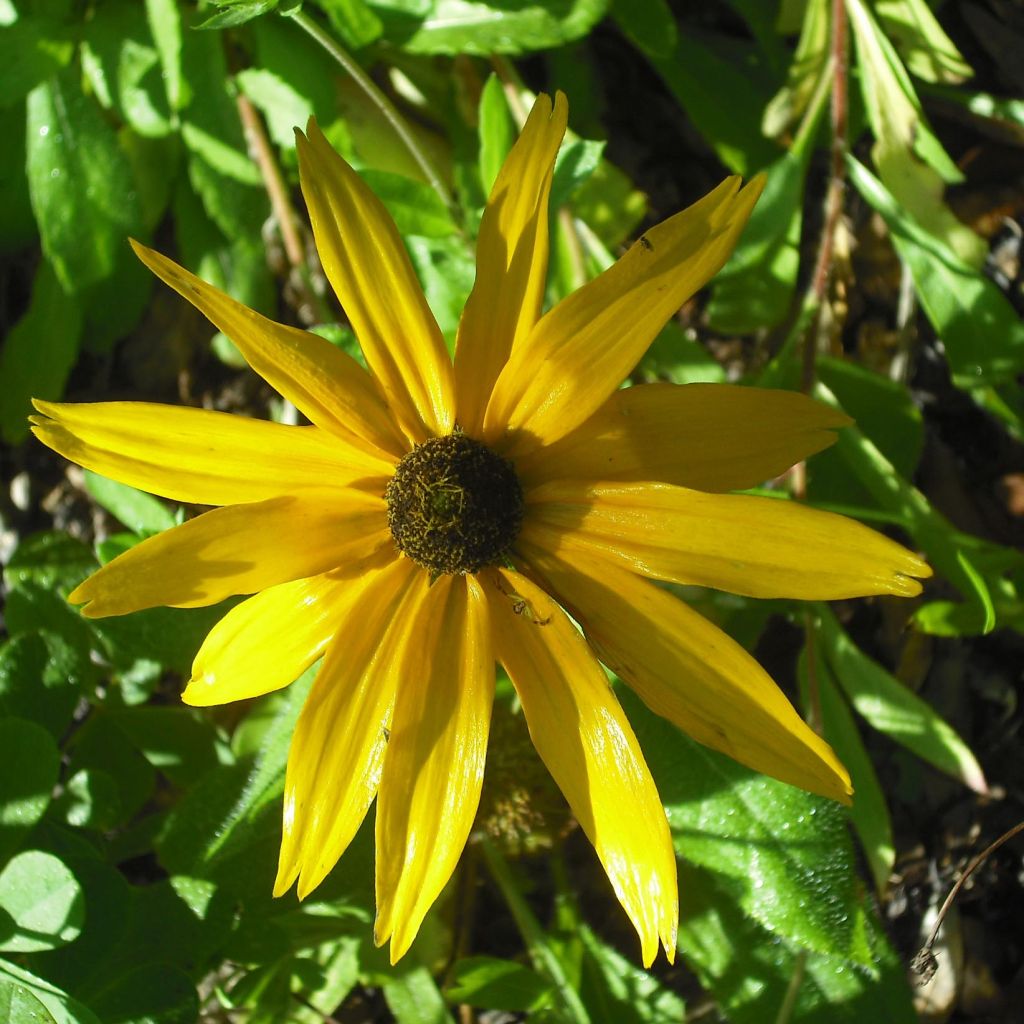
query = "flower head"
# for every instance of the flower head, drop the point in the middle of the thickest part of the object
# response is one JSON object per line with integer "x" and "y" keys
{"x": 440, "y": 515}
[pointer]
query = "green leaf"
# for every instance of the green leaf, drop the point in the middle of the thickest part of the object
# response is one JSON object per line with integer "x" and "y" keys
{"x": 416, "y": 208}
{"x": 489, "y": 983}
{"x": 787, "y": 851}
{"x": 354, "y": 21}
{"x": 446, "y": 269}
{"x": 237, "y": 12}
{"x": 615, "y": 990}
{"x": 38, "y": 353}
{"x": 750, "y": 971}
{"x": 153, "y": 994}
{"x": 890, "y": 707}
{"x": 53, "y": 561}
{"x": 140, "y": 512}
{"x": 42, "y": 902}
{"x": 677, "y": 357}
{"x": 982, "y": 333}
{"x": 808, "y": 65}
{"x": 19, "y": 1006}
{"x": 869, "y": 813}
{"x": 90, "y": 800}
{"x": 29, "y": 764}
{"x": 41, "y": 678}
{"x": 124, "y": 67}
{"x": 80, "y": 183}
{"x": 58, "y": 1004}
{"x": 31, "y": 50}
{"x": 283, "y": 106}
{"x": 483, "y": 28}
{"x": 165, "y": 27}
{"x": 574, "y": 165}
{"x": 930, "y": 54}
{"x": 412, "y": 995}
{"x": 497, "y": 131}
{"x": 650, "y": 25}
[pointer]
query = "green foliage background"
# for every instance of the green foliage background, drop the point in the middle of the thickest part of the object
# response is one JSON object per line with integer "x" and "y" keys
{"x": 138, "y": 837}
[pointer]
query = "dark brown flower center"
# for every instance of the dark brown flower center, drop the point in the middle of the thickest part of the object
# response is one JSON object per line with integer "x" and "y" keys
{"x": 454, "y": 506}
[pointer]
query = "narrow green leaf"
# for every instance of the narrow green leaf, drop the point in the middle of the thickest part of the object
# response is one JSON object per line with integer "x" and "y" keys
{"x": 869, "y": 813}
{"x": 930, "y": 54}
{"x": 354, "y": 21}
{"x": 42, "y": 901}
{"x": 38, "y": 352}
{"x": 80, "y": 182}
{"x": 237, "y": 12}
{"x": 497, "y": 131}
{"x": 413, "y": 997}
{"x": 29, "y": 764}
{"x": 416, "y": 208}
{"x": 140, "y": 512}
{"x": 888, "y": 706}
{"x": 489, "y": 983}
{"x": 576, "y": 162}
{"x": 982, "y": 334}
{"x": 283, "y": 106}
{"x": 496, "y": 26}
{"x": 165, "y": 27}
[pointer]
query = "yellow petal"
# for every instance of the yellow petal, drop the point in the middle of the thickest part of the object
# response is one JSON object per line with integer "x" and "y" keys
{"x": 588, "y": 745}
{"x": 239, "y": 549}
{"x": 366, "y": 262}
{"x": 688, "y": 671}
{"x": 338, "y": 746}
{"x": 713, "y": 437}
{"x": 759, "y": 547}
{"x": 581, "y": 350}
{"x": 209, "y": 458}
{"x": 511, "y": 261}
{"x": 325, "y": 384}
{"x": 434, "y": 768}
{"x": 267, "y": 641}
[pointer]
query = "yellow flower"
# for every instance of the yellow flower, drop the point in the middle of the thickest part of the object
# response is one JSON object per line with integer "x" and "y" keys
{"x": 439, "y": 516}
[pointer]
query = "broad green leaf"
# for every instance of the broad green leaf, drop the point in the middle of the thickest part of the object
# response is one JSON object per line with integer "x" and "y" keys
{"x": 19, "y": 1006}
{"x": 237, "y": 12}
{"x": 750, "y": 970}
{"x": 53, "y": 561}
{"x": 89, "y": 800}
{"x": 41, "y": 678}
{"x": 41, "y": 902}
{"x": 140, "y": 512}
{"x": 31, "y": 50}
{"x": 38, "y": 352}
{"x": 982, "y": 334}
{"x": 496, "y": 26}
{"x": 29, "y": 764}
{"x": 869, "y": 813}
{"x": 153, "y": 994}
{"x": 415, "y": 207}
{"x": 910, "y": 160}
{"x": 489, "y": 983}
{"x": 413, "y": 997}
{"x": 17, "y": 225}
{"x": 890, "y": 707}
{"x": 80, "y": 182}
{"x": 787, "y": 850}
{"x": 61, "y": 1007}
{"x": 677, "y": 357}
{"x": 497, "y": 131}
{"x": 446, "y": 269}
{"x": 650, "y": 25}
{"x": 930, "y": 54}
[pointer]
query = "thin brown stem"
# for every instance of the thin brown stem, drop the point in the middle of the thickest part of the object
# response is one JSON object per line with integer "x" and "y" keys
{"x": 836, "y": 185}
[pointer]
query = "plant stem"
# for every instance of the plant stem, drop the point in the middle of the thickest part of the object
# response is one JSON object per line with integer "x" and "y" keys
{"x": 381, "y": 102}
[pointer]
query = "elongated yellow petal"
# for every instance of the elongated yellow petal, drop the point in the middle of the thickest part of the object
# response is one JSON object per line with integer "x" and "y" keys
{"x": 240, "y": 549}
{"x": 587, "y": 743}
{"x": 434, "y": 767}
{"x": 326, "y": 384}
{"x": 511, "y": 261}
{"x": 338, "y": 746}
{"x": 713, "y": 437}
{"x": 209, "y": 458}
{"x": 688, "y": 671}
{"x": 366, "y": 262}
{"x": 581, "y": 350}
{"x": 759, "y": 547}
{"x": 267, "y": 641}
